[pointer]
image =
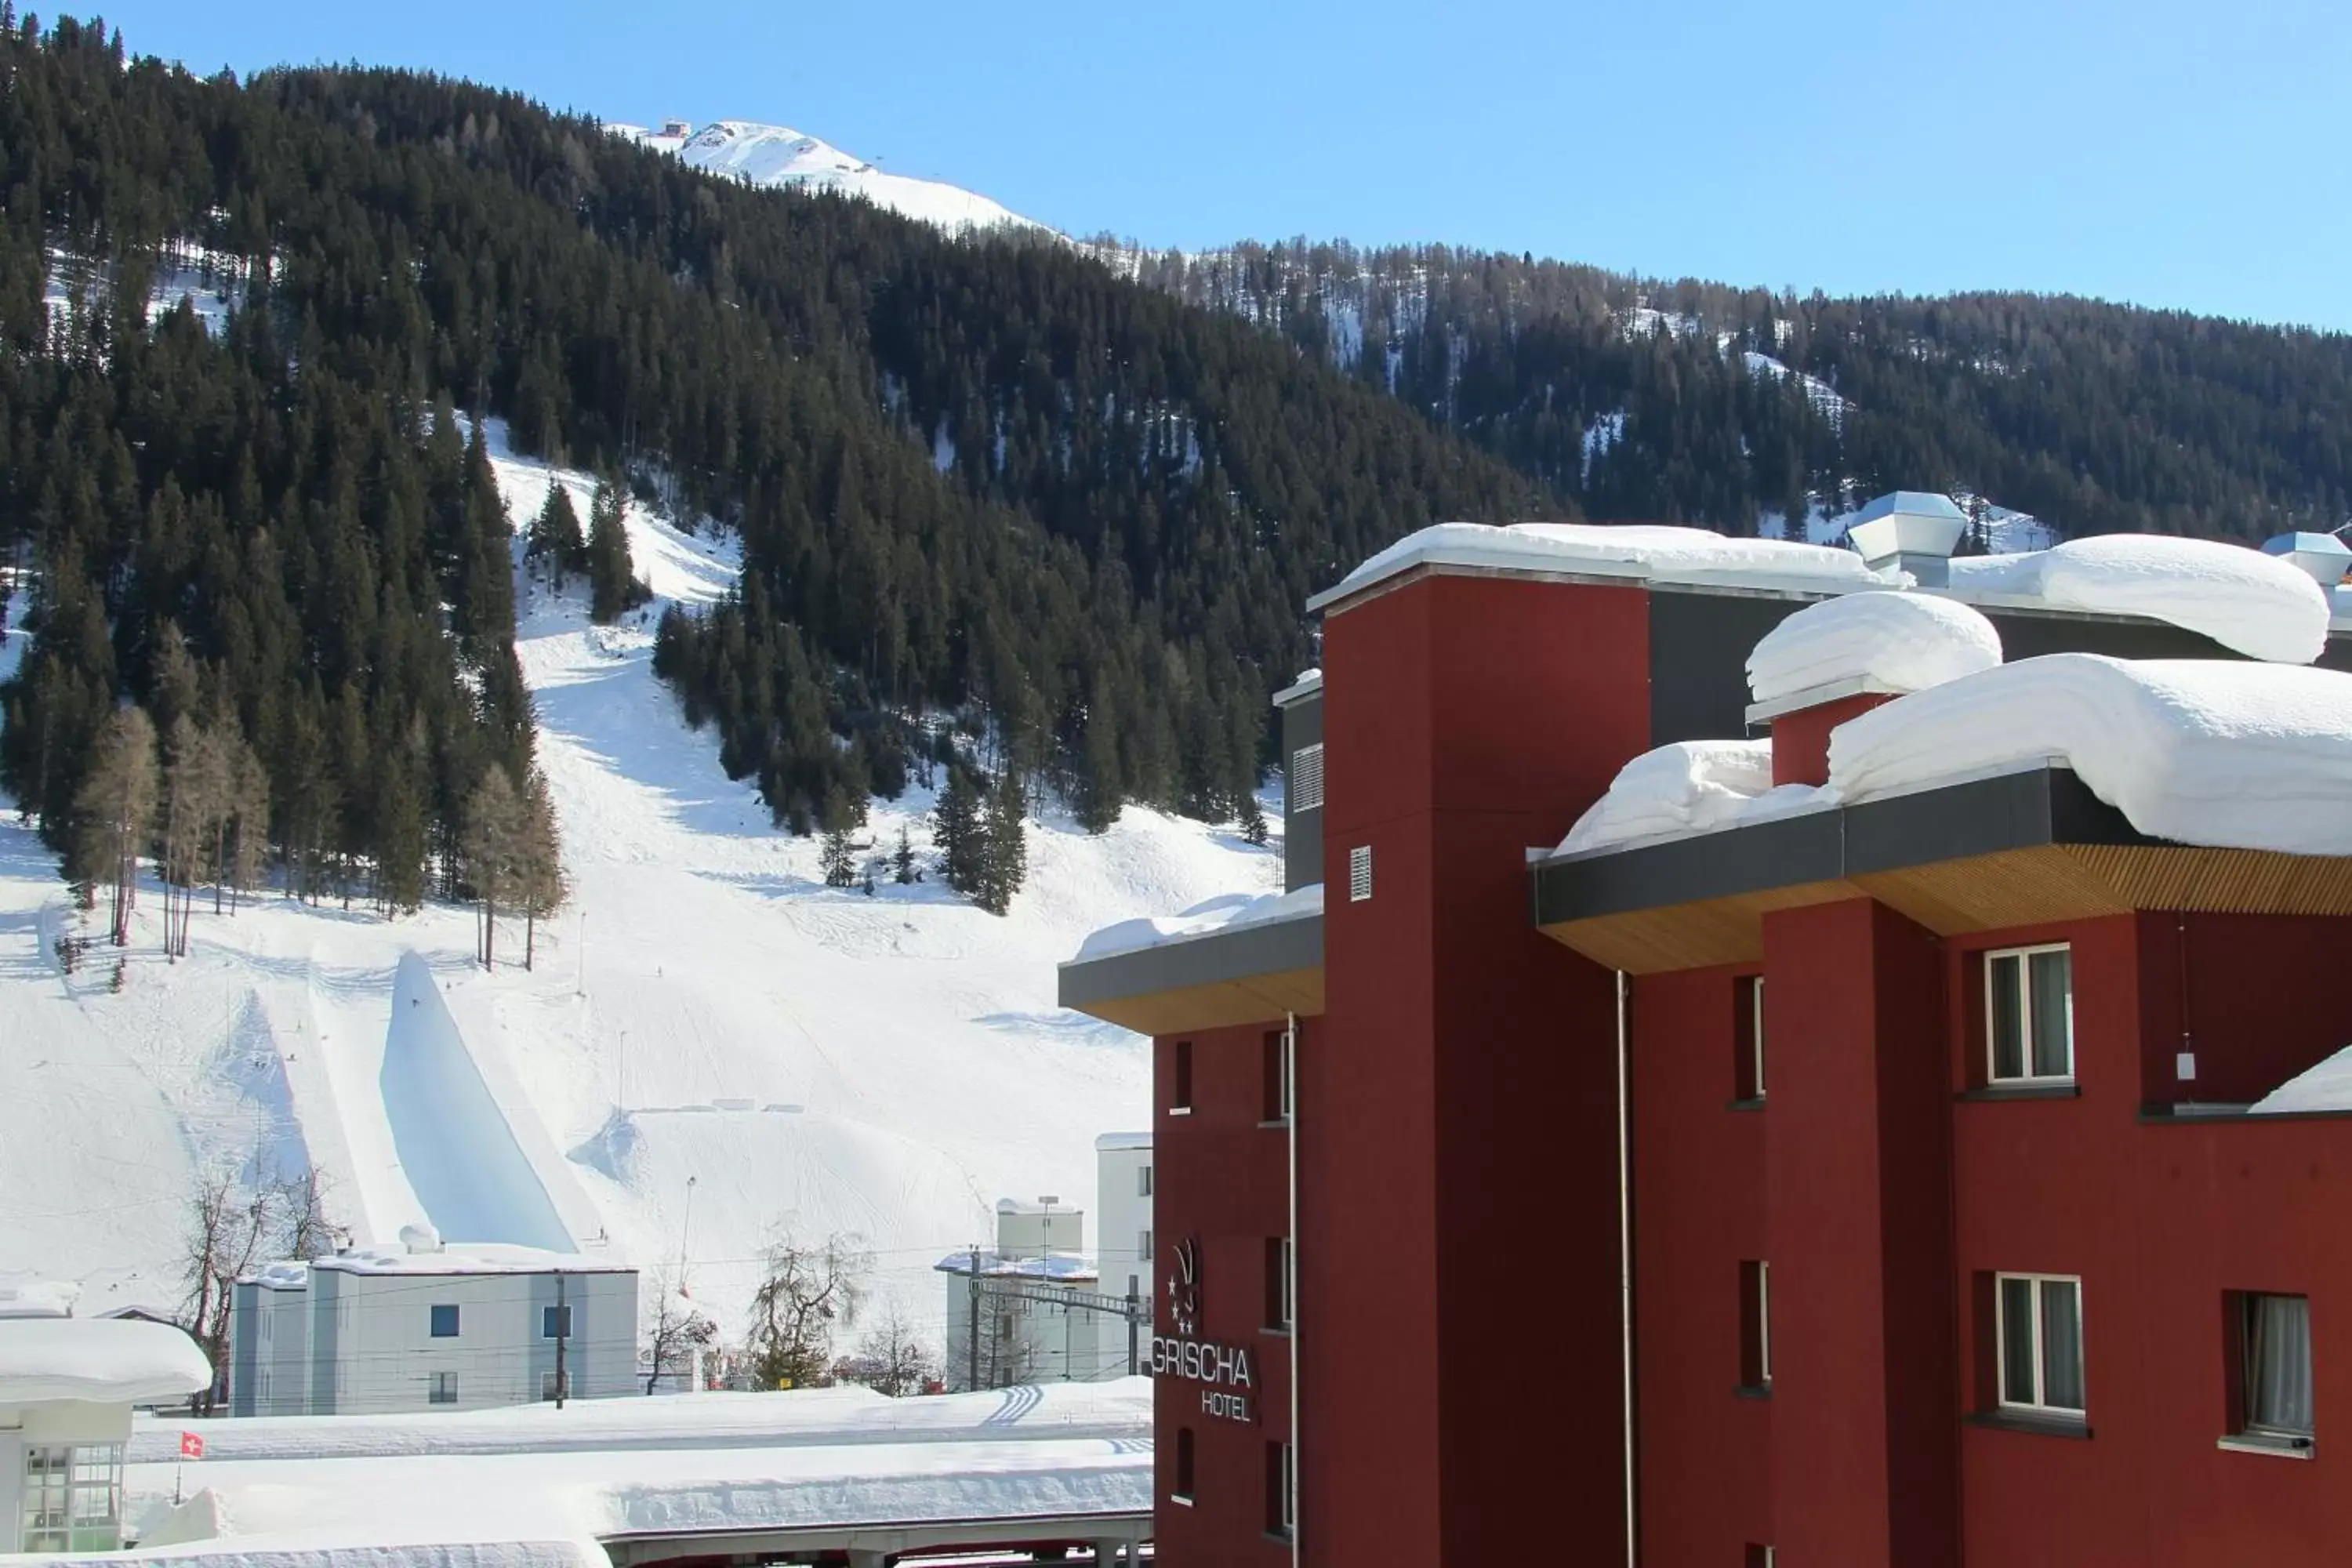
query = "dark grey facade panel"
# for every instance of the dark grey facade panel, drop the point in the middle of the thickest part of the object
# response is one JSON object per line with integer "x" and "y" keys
{"x": 1699, "y": 644}
{"x": 1302, "y": 832}
{"x": 1983, "y": 817}
{"x": 1277, "y": 947}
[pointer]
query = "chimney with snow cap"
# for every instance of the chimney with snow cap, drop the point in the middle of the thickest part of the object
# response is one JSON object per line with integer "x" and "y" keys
{"x": 1913, "y": 530}
{"x": 2324, "y": 555}
{"x": 1841, "y": 657}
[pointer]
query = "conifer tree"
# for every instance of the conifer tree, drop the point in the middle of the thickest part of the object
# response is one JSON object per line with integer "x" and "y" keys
{"x": 495, "y": 843}
{"x": 1253, "y": 822}
{"x": 115, "y": 813}
{"x": 612, "y": 576}
{"x": 541, "y": 886}
{"x": 1004, "y": 847}
{"x": 555, "y": 540}
{"x": 957, "y": 832}
{"x": 903, "y": 861}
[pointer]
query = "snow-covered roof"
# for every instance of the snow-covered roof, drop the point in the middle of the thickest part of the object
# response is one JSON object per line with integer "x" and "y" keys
{"x": 1642, "y": 550}
{"x": 2323, "y": 556}
{"x": 2208, "y": 752}
{"x": 26, "y": 1298}
{"x": 1111, "y": 1142}
{"x": 2326, "y": 1086}
{"x": 1310, "y": 683}
{"x": 111, "y": 1361}
{"x": 1208, "y": 918}
{"x": 288, "y": 1276}
{"x": 1042, "y": 1205}
{"x": 2257, "y": 605}
{"x": 468, "y": 1257}
{"x": 1885, "y": 641}
{"x": 1060, "y": 1268}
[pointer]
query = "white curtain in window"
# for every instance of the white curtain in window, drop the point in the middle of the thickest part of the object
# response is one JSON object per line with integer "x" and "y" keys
{"x": 2050, "y": 984}
{"x": 2279, "y": 1388}
{"x": 2061, "y": 1344}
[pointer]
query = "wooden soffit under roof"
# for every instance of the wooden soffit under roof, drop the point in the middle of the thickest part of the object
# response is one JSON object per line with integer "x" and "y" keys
{"x": 1216, "y": 981}
{"x": 2023, "y": 849}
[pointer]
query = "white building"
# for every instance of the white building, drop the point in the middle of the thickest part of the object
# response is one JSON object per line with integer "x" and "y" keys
{"x": 67, "y": 1389}
{"x": 464, "y": 1326}
{"x": 1123, "y": 1202}
{"x": 1040, "y": 1311}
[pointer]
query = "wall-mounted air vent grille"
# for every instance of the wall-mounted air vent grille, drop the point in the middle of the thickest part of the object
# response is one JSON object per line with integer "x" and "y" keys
{"x": 1359, "y": 873}
{"x": 1306, "y": 791}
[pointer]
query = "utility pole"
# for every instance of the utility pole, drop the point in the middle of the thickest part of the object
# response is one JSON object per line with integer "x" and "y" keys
{"x": 620, "y": 1075}
{"x": 683, "y": 1225}
{"x": 562, "y": 1334}
{"x": 972, "y": 1347}
{"x": 1133, "y": 1320}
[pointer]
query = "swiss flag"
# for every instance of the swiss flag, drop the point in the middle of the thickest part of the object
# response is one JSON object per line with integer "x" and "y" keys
{"x": 191, "y": 1446}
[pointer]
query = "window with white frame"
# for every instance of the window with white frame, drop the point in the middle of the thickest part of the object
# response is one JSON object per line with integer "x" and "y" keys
{"x": 2277, "y": 1370}
{"x": 1306, "y": 784}
{"x": 2030, "y": 1015}
{"x": 555, "y": 1385}
{"x": 442, "y": 1389}
{"x": 2038, "y": 1322}
{"x": 555, "y": 1322}
{"x": 1764, "y": 1321}
{"x": 72, "y": 1498}
{"x": 1281, "y": 1488}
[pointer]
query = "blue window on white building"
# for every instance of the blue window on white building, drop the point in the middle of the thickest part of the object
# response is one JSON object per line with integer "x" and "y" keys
{"x": 445, "y": 1323}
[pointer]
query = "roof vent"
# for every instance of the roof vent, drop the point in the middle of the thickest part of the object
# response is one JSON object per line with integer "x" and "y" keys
{"x": 419, "y": 1239}
{"x": 2324, "y": 555}
{"x": 1913, "y": 530}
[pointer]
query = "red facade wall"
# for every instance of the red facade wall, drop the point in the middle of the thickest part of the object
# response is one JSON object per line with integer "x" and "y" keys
{"x": 1470, "y": 1067}
{"x": 1221, "y": 1178}
{"x": 1801, "y": 740}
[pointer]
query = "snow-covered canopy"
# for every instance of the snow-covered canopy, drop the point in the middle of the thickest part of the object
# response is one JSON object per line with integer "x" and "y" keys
{"x": 2326, "y": 1086}
{"x": 1885, "y": 641}
{"x": 2212, "y": 751}
{"x": 1225, "y": 912}
{"x": 2254, "y": 604}
{"x": 2248, "y": 756}
{"x": 1618, "y": 550}
{"x": 114, "y": 1360}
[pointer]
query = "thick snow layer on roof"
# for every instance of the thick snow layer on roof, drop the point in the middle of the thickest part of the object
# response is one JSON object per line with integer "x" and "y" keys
{"x": 1688, "y": 786}
{"x": 2254, "y": 603}
{"x": 1889, "y": 641}
{"x": 2212, "y": 751}
{"x": 114, "y": 1360}
{"x": 468, "y": 1257}
{"x": 1642, "y": 550}
{"x": 1212, "y": 915}
{"x": 24, "y": 1297}
{"x": 279, "y": 1277}
{"x": 2326, "y": 1086}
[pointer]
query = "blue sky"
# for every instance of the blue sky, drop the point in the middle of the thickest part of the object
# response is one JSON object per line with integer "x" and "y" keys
{"x": 2163, "y": 153}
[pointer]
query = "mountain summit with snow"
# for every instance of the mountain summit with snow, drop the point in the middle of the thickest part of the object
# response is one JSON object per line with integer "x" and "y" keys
{"x": 778, "y": 156}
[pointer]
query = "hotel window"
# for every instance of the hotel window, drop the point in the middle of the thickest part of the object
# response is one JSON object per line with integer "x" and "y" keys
{"x": 2030, "y": 1015}
{"x": 1179, "y": 1097}
{"x": 1748, "y": 1029}
{"x": 1182, "y": 1489}
{"x": 1306, "y": 791}
{"x": 1273, "y": 1078}
{"x": 445, "y": 1323}
{"x": 1281, "y": 1488}
{"x": 1756, "y": 1326}
{"x": 1278, "y": 1283}
{"x": 2275, "y": 1335}
{"x": 442, "y": 1389}
{"x": 72, "y": 1498}
{"x": 2039, "y": 1331}
{"x": 1143, "y": 1182}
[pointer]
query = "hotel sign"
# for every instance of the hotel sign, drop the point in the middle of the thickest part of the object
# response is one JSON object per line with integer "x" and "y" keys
{"x": 1228, "y": 1385}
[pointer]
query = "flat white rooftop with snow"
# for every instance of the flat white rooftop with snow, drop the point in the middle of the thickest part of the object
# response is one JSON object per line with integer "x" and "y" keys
{"x": 99, "y": 1361}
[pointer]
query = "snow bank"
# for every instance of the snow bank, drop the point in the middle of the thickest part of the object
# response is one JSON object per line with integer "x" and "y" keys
{"x": 1642, "y": 550}
{"x": 1892, "y": 641}
{"x": 1689, "y": 787}
{"x": 106, "y": 1359}
{"x": 1225, "y": 912}
{"x": 2325, "y": 1087}
{"x": 2254, "y": 604}
{"x": 2212, "y": 751}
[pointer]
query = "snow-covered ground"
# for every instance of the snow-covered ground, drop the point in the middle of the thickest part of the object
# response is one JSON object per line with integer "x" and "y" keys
{"x": 778, "y": 156}
{"x": 705, "y": 1018}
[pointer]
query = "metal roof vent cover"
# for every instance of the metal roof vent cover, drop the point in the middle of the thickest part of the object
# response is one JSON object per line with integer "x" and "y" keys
{"x": 1915, "y": 530}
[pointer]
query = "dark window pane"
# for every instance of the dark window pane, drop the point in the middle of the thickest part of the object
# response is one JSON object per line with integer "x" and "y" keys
{"x": 2278, "y": 1344}
{"x": 2017, "y": 1341}
{"x": 445, "y": 1323}
{"x": 2051, "y": 976}
{"x": 2002, "y": 1007}
{"x": 2061, "y": 1344}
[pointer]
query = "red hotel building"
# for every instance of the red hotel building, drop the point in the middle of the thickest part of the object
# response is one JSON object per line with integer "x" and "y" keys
{"x": 1604, "y": 1257}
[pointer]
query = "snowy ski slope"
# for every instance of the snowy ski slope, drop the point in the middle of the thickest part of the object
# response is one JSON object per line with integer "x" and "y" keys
{"x": 778, "y": 156}
{"x": 705, "y": 1016}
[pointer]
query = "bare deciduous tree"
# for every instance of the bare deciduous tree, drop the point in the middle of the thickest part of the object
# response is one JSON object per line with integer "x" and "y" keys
{"x": 115, "y": 812}
{"x": 803, "y": 1292}
{"x": 676, "y": 1330}
{"x": 234, "y": 1227}
{"x": 493, "y": 847}
{"x": 891, "y": 1359}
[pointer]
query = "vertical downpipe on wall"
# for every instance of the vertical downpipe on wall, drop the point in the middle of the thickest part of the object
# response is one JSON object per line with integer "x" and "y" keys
{"x": 1290, "y": 1084}
{"x": 1625, "y": 1260}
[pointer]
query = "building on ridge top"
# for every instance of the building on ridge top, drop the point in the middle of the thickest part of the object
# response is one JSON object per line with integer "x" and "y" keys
{"x": 1901, "y": 1164}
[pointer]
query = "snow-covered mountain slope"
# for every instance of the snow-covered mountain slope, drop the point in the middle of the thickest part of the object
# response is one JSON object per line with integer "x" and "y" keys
{"x": 777, "y": 155}
{"x": 713, "y": 1043}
